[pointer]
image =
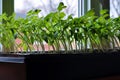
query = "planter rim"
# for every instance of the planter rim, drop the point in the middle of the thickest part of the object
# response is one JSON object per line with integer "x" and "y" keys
{"x": 21, "y": 57}
{"x": 12, "y": 59}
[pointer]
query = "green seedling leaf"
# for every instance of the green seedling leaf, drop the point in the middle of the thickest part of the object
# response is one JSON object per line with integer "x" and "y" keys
{"x": 16, "y": 36}
{"x": 61, "y": 6}
{"x": 49, "y": 16}
{"x": 102, "y": 12}
{"x": 106, "y": 15}
{"x": 33, "y": 12}
{"x": 76, "y": 37}
{"x": 70, "y": 17}
{"x": 62, "y": 15}
{"x": 90, "y": 13}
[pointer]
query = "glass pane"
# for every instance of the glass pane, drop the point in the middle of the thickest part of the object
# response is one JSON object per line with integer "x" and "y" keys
{"x": 114, "y": 8}
{"x": 46, "y": 6}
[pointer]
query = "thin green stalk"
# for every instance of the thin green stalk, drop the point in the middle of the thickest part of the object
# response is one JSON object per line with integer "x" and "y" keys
{"x": 42, "y": 46}
{"x": 117, "y": 42}
{"x": 79, "y": 44}
{"x": 91, "y": 43}
{"x": 37, "y": 46}
{"x": 53, "y": 47}
{"x": 101, "y": 45}
{"x": 64, "y": 42}
{"x": 86, "y": 43}
{"x": 57, "y": 45}
{"x": 97, "y": 45}
{"x": 76, "y": 44}
{"x": 24, "y": 40}
{"x": 70, "y": 45}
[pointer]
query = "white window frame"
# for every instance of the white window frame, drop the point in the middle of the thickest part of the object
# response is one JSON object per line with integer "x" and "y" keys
{"x": 83, "y": 7}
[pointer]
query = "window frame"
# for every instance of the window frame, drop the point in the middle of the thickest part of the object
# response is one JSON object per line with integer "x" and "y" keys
{"x": 9, "y": 9}
{"x": 83, "y": 6}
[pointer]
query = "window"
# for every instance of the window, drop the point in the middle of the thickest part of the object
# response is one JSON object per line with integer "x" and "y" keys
{"x": 114, "y": 8}
{"x": 76, "y": 7}
{"x": 83, "y": 7}
{"x": 46, "y": 6}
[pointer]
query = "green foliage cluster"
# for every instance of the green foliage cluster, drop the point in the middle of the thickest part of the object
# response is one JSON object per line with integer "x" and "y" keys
{"x": 85, "y": 33}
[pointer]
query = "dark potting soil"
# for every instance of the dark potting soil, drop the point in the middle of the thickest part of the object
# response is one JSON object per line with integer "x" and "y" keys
{"x": 88, "y": 51}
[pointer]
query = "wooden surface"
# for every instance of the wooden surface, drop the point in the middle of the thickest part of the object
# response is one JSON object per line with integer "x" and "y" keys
{"x": 12, "y": 71}
{"x": 110, "y": 78}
